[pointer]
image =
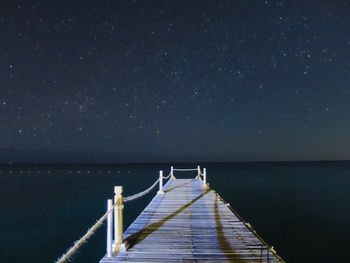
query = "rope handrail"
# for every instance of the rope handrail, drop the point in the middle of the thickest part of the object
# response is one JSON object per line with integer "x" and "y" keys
{"x": 138, "y": 195}
{"x": 185, "y": 170}
{"x": 167, "y": 177}
{"x": 77, "y": 244}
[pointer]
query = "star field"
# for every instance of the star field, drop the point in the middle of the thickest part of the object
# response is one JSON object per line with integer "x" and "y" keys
{"x": 176, "y": 80}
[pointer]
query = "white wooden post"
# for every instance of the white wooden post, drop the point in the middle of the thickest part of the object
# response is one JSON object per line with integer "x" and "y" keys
{"x": 160, "y": 182}
{"x": 171, "y": 172}
{"x": 199, "y": 170}
{"x": 204, "y": 175}
{"x": 109, "y": 228}
{"x": 118, "y": 217}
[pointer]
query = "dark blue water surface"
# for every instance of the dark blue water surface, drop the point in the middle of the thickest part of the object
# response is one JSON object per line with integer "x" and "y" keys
{"x": 302, "y": 209}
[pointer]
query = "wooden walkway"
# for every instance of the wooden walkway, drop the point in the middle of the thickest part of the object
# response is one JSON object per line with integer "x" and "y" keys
{"x": 189, "y": 223}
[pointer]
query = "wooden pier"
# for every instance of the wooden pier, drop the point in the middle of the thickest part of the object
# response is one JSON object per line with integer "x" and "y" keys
{"x": 185, "y": 222}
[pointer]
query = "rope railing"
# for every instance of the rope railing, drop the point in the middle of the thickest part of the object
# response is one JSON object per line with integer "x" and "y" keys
{"x": 185, "y": 170}
{"x": 167, "y": 177}
{"x": 138, "y": 195}
{"x": 117, "y": 244}
{"x": 91, "y": 231}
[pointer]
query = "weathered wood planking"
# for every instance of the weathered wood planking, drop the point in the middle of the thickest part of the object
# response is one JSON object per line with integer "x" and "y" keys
{"x": 191, "y": 224}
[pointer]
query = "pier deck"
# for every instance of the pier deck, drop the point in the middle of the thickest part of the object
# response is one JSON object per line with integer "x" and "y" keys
{"x": 191, "y": 223}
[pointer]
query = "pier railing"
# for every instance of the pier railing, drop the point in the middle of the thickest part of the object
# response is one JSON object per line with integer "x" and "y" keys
{"x": 114, "y": 215}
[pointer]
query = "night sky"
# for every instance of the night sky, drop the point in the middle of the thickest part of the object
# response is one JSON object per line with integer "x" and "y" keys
{"x": 174, "y": 80}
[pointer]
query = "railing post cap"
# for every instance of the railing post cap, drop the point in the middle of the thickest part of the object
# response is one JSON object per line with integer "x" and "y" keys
{"x": 118, "y": 189}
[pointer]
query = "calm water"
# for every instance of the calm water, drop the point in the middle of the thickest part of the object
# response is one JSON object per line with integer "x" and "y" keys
{"x": 302, "y": 209}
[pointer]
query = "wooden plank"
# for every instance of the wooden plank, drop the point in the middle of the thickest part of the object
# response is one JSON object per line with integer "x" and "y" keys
{"x": 190, "y": 223}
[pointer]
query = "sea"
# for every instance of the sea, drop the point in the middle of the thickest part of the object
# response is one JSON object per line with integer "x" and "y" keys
{"x": 302, "y": 209}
